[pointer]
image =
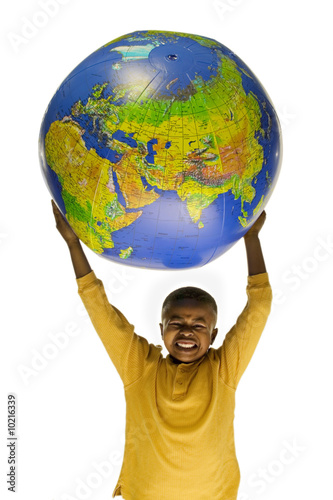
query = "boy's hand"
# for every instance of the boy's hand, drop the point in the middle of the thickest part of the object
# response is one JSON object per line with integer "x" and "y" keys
{"x": 255, "y": 258}
{"x": 79, "y": 260}
{"x": 63, "y": 227}
{"x": 255, "y": 229}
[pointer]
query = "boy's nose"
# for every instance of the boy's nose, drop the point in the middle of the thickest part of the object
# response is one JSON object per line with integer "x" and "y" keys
{"x": 186, "y": 330}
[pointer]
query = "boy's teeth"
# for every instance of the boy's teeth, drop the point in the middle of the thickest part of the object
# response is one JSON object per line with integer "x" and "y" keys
{"x": 185, "y": 345}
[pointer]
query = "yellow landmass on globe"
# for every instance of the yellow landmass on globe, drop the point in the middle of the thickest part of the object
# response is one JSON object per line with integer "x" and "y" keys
{"x": 129, "y": 179}
{"x": 199, "y": 197}
{"x": 92, "y": 206}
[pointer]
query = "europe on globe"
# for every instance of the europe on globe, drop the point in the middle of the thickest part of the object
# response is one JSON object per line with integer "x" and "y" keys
{"x": 161, "y": 149}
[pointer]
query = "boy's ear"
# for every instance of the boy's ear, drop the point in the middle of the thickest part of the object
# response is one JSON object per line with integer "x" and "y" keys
{"x": 214, "y": 333}
{"x": 161, "y": 327}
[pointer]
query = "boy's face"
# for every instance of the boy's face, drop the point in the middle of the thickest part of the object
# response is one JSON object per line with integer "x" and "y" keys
{"x": 189, "y": 322}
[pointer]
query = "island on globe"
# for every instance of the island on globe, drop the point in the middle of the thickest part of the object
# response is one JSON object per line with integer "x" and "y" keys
{"x": 161, "y": 149}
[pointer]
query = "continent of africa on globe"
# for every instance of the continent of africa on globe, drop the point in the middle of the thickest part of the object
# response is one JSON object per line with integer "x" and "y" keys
{"x": 161, "y": 149}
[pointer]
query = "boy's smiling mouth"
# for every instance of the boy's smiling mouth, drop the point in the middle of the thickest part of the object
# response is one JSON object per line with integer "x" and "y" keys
{"x": 186, "y": 345}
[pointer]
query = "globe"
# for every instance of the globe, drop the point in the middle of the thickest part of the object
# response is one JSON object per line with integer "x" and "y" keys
{"x": 161, "y": 149}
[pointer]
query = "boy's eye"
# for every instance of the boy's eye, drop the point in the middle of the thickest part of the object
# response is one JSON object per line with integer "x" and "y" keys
{"x": 177, "y": 324}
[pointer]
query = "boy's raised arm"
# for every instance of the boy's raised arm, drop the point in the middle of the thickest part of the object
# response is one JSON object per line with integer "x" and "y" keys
{"x": 255, "y": 258}
{"x": 130, "y": 353}
{"x": 79, "y": 259}
{"x": 241, "y": 341}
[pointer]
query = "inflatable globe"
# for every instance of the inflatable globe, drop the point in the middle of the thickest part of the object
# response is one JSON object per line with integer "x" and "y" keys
{"x": 161, "y": 149}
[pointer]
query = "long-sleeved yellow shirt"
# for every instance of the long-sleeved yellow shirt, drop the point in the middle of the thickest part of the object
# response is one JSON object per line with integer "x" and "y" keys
{"x": 179, "y": 437}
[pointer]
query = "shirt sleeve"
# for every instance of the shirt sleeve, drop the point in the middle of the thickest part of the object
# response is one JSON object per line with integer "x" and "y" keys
{"x": 241, "y": 341}
{"x": 129, "y": 352}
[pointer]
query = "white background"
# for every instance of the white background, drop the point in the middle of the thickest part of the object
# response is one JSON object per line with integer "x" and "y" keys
{"x": 71, "y": 407}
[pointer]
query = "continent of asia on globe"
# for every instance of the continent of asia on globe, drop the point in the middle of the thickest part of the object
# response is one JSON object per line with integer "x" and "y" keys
{"x": 161, "y": 149}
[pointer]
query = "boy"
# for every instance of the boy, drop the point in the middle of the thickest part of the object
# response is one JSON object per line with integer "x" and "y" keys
{"x": 179, "y": 409}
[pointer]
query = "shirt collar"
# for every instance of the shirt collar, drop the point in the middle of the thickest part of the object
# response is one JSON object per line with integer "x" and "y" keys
{"x": 172, "y": 361}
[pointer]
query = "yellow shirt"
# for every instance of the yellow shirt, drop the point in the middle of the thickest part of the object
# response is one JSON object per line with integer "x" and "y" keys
{"x": 179, "y": 437}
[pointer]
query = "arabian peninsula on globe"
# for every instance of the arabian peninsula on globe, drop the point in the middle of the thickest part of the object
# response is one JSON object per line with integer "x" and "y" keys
{"x": 161, "y": 149}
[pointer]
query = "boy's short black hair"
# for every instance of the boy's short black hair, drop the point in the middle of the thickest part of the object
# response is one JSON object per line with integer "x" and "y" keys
{"x": 189, "y": 292}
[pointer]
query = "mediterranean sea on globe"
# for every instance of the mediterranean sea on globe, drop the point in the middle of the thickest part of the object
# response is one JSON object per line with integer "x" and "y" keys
{"x": 161, "y": 149}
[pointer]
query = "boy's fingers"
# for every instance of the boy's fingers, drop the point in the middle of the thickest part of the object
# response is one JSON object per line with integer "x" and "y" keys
{"x": 57, "y": 214}
{"x": 56, "y": 210}
{"x": 262, "y": 217}
{"x": 54, "y": 206}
